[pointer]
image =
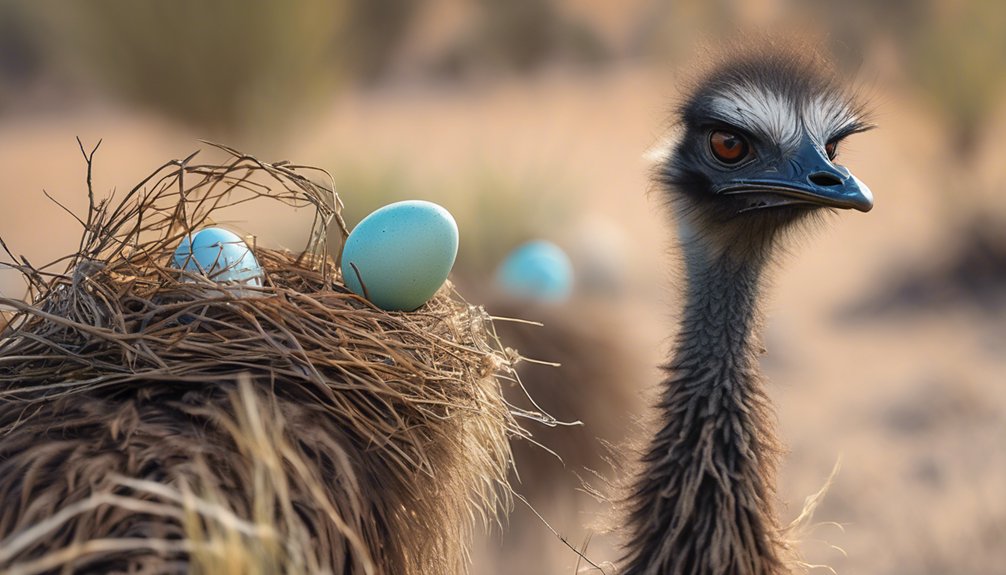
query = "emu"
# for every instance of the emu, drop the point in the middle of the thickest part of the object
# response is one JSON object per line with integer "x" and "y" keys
{"x": 755, "y": 158}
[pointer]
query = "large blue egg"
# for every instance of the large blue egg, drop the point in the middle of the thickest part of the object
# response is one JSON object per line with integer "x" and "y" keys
{"x": 220, "y": 255}
{"x": 402, "y": 252}
{"x": 537, "y": 270}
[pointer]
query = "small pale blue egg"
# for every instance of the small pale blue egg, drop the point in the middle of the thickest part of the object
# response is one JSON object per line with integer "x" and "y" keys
{"x": 537, "y": 270}
{"x": 220, "y": 255}
{"x": 402, "y": 252}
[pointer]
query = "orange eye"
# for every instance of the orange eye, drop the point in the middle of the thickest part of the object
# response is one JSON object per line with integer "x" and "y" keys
{"x": 728, "y": 147}
{"x": 831, "y": 148}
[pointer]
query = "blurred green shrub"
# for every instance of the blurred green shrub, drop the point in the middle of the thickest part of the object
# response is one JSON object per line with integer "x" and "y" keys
{"x": 223, "y": 65}
{"x": 247, "y": 67}
{"x": 957, "y": 56}
{"x": 374, "y": 34}
{"x": 21, "y": 54}
{"x": 521, "y": 36}
{"x": 953, "y": 52}
{"x": 668, "y": 32}
{"x": 233, "y": 66}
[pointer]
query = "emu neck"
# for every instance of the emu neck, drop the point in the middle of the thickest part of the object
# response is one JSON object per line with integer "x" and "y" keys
{"x": 718, "y": 331}
{"x": 702, "y": 503}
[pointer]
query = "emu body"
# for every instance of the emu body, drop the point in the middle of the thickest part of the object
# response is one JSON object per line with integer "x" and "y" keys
{"x": 755, "y": 157}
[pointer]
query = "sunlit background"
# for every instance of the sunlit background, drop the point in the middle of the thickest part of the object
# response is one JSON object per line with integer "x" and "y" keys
{"x": 531, "y": 119}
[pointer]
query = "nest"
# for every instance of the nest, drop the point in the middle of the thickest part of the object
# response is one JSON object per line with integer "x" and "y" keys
{"x": 154, "y": 422}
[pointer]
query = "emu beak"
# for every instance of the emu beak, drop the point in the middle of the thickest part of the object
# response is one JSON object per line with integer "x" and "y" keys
{"x": 808, "y": 177}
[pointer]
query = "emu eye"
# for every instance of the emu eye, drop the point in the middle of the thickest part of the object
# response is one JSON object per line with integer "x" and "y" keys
{"x": 728, "y": 147}
{"x": 831, "y": 148}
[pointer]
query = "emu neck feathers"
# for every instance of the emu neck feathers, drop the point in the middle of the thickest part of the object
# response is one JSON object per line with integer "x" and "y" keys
{"x": 717, "y": 328}
{"x": 703, "y": 503}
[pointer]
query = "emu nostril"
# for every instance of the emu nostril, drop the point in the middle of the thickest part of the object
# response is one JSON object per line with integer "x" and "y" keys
{"x": 825, "y": 179}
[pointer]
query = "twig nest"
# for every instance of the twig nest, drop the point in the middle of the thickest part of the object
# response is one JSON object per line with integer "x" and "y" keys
{"x": 400, "y": 255}
{"x": 305, "y": 432}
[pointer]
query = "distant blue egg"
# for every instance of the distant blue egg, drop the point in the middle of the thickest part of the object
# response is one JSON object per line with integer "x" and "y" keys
{"x": 402, "y": 252}
{"x": 537, "y": 270}
{"x": 220, "y": 255}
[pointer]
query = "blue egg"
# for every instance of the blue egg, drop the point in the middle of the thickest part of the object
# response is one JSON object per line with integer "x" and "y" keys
{"x": 400, "y": 255}
{"x": 220, "y": 255}
{"x": 537, "y": 270}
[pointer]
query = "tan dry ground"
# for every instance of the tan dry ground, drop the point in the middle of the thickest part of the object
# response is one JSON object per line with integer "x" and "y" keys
{"x": 913, "y": 405}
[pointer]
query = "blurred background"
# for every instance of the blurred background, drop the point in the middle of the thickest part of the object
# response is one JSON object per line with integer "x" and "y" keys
{"x": 530, "y": 120}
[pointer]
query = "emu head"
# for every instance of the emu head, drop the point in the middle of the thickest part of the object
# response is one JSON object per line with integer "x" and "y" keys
{"x": 758, "y": 146}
